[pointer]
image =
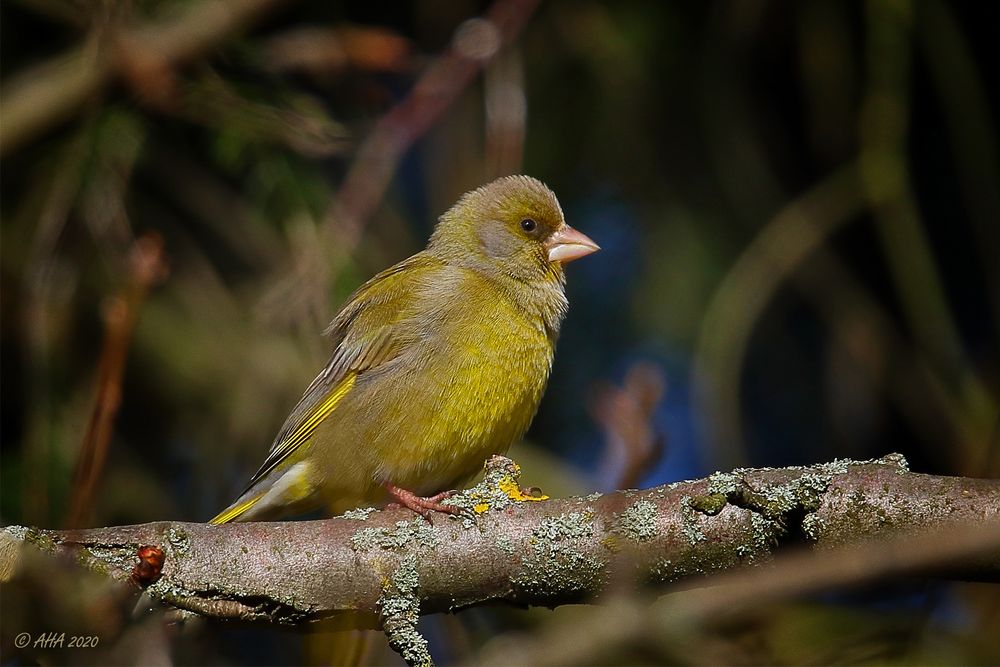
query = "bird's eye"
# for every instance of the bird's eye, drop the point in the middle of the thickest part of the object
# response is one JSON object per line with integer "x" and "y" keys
{"x": 528, "y": 225}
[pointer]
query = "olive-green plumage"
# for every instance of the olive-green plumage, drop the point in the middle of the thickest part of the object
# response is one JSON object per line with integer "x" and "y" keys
{"x": 437, "y": 363}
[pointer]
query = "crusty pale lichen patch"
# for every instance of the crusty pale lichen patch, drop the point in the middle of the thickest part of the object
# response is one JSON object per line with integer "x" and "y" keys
{"x": 416, "y": 532}
{"x": 179, "y": 540}
{"x": 788, "y": 501}
{"x": 690, "y": 522}
{"x": 570, "y": 526}
{"x": 763, "y": 535}
{"x": 359, "y": 514}
{"x": 775, "y": 501}
{"x": 399, "y": 607}
{"x": 774, "y": 504}
{"x": 637, "y": 522}
{"x": 557, "y": 564}
{"x": 812, "y": 526}
{"x": 503, "y": 543}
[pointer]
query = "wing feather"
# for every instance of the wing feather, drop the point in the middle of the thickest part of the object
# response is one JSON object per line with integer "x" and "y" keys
{"x": 366, "y": 333}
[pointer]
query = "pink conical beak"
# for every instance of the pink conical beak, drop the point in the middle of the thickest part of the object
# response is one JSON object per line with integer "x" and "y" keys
{"x": 567, "y": 244}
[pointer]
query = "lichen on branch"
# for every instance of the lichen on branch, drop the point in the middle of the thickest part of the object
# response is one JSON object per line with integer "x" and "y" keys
{"x": 513, "y": 547}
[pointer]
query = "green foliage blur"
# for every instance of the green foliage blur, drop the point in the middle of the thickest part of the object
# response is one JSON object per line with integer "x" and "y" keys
{"x": 797, "y": 202}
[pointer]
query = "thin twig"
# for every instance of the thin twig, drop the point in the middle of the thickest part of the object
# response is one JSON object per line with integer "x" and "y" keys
{"x": 475, "y": 44}
{"x": 147, "y": 268}
{"x": 632, "y": 443}
{"x": 794, "y": 235}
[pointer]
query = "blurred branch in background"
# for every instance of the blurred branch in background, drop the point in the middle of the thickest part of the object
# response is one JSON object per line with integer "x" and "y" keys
{"x": 930, "y": 379}
{"x": 884, "y": 124}
{"x": 211, "y": 101}
{"x": 784, "y": 244}
{"x": 625, "y": 414}
{"x": 90, "y": 178}
{"x": 47, "y": 281}
{"x": 322, "y": 52}
{"x": 56, "y": 90}
{"x": 506, "y": 107}
{"x": 966, "y": 103}
{"x": 147, "y": 267}
{"x": 475, "y": 44}
{"x": 778, "y": 256}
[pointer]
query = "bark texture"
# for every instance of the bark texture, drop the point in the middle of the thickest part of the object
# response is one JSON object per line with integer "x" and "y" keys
{"x": 516, "y": 549}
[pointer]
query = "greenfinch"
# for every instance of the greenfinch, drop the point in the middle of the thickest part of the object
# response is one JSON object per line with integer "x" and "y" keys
{"x": 438, "y": 362}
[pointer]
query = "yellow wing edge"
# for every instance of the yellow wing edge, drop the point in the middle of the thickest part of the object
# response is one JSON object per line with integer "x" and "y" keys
{"x": 234, "y": 511}
{"x": 292, "y": 442}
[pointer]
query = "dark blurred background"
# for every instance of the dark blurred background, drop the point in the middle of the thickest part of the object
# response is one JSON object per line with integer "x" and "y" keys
{"x": 798, "y": 206}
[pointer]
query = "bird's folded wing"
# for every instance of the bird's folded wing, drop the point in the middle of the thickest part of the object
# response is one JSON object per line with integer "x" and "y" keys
{"x": 370, "y": 330}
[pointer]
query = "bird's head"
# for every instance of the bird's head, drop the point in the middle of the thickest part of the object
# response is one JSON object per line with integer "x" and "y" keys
{"x": 513, "y": 226}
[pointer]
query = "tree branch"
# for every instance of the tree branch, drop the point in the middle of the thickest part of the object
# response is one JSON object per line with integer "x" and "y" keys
{"x": 512, "y": 550}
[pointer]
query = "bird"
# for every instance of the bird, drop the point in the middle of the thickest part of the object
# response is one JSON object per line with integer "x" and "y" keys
{"x": 437, "y": 363}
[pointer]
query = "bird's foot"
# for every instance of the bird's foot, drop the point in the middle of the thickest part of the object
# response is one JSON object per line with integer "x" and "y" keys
{"x": 422, "y": 506}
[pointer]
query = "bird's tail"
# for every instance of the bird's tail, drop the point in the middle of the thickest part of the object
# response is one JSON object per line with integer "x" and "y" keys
{"x": 349, "y": 648}
{"x": 236, "y": 510}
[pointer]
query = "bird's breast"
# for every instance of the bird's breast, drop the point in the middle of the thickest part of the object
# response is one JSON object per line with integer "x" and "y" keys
{"x": 477, "y": 381}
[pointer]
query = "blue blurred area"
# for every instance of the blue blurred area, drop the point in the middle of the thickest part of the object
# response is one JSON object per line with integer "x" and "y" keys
{"x": 598, "y": 331}
{"x": 601, "y": 341}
